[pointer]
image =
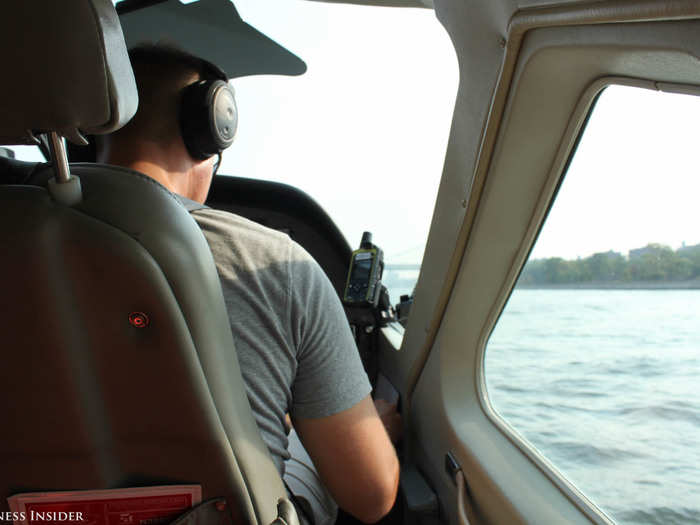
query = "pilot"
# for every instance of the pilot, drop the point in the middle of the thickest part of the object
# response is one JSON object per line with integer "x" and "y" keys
{"x": 296, "y": 352}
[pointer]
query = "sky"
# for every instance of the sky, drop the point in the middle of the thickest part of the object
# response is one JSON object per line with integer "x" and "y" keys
{"x": 635, "y": 178}
{"x": 365, "y": 130}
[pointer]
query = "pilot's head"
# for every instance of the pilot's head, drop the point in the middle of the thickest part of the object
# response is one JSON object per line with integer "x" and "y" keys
{"x": 185, "y": 119}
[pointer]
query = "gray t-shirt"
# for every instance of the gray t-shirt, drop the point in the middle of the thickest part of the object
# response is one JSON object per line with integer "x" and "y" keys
{"x": 292, "y": 338}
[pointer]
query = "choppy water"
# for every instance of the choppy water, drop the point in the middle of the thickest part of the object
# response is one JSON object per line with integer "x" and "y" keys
{"x": 606, "y": 384}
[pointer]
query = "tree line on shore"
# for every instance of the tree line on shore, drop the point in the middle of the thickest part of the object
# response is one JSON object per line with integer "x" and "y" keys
{"x": 654, "y": 262}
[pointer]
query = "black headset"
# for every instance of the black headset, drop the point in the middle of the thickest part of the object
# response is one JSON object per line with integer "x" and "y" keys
{"x": 208, "y": 115}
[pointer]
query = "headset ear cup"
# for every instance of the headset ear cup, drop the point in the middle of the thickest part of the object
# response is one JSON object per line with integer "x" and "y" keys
{"x": 208, "y": 117}
{"x": 224, "y": 115}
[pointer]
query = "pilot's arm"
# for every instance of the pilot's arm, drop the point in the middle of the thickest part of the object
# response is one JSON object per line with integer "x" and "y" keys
{"x": 355, "y": 459}
{"x": 331, "y": 409}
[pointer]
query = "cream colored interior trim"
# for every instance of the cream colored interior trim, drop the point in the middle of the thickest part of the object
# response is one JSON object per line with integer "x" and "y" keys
{"x": 464, "y": 505}
{"x": 574, "y": 128}
{"x": 446, "y": 412}
{"x": 667, "y": 87}
{"x": 394, "y": 335}
{"x": 619, "y": 11}
{"x": 565, "y": 151}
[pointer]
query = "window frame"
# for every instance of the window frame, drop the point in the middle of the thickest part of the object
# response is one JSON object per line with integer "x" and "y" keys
{"x": 555, "y": 69}
{"x": 565, "y": 154}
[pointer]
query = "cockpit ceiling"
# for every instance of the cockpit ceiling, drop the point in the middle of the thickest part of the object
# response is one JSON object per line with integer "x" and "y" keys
{"x": 383, "y": 3}
{"x": 509, "y": 6}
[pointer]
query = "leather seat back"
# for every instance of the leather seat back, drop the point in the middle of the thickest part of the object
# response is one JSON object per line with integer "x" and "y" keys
{"x": 119, "y": 367}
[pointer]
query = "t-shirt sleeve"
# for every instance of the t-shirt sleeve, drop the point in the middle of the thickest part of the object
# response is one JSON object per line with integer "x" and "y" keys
{"x": 330, "y": 377}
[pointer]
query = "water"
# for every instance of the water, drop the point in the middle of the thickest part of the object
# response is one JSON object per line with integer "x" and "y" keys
{"x": 400, "y": 280}
{"x": 605, "y": 383}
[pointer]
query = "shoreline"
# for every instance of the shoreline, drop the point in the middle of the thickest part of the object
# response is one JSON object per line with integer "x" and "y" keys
{"x": 637, "y": 285}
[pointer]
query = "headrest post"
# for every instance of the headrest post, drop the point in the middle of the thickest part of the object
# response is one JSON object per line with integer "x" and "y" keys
{"x": 63, "y": 187}
{"x": 58, "y": 155}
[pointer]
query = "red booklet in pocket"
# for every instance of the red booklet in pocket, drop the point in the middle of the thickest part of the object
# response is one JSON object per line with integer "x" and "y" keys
{"x": 131, "y": 506}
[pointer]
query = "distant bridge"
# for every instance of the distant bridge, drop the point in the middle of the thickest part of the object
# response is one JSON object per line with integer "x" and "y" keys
{"x": 402, "y": 267}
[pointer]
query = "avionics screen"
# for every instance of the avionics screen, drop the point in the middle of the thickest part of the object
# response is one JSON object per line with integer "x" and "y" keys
{"x": 361, "y": 270}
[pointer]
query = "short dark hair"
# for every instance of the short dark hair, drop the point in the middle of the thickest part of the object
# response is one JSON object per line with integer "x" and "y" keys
{"x": 161, "y": 72}
{"x": 162, "y": 54}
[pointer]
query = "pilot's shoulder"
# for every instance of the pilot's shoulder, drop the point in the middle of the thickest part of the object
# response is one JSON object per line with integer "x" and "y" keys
{"x": 225, "y": 230}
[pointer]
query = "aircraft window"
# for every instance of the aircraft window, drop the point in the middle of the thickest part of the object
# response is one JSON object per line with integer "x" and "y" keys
{"x": 364, "y": 131}
{"x": 25, "y": 153}
{"x": 596, "y": 358}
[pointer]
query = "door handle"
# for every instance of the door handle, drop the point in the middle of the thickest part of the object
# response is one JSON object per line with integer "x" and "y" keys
{"x": 464, "y": 507}
{"x": 465, "y": 511}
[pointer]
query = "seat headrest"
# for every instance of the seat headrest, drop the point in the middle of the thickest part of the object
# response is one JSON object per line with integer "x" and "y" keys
{"x": 65, "y": 69}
